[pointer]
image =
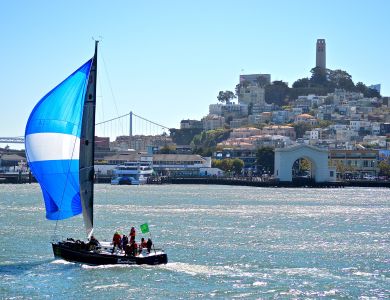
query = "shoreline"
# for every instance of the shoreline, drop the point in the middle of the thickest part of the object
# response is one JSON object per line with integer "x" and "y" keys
{"x": 301, "y": 182}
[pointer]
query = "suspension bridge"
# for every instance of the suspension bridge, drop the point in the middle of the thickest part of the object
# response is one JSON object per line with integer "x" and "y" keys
{"x": 130, "y": 124}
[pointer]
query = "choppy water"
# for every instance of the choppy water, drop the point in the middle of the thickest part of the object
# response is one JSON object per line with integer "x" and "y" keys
{"x": 222, "y": 242}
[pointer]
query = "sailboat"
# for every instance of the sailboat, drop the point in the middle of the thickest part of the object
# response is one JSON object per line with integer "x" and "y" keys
{"x": 59, "y": 143}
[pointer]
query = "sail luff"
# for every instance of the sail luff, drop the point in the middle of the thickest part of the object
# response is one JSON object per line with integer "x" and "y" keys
{"x": 87, "y": 143}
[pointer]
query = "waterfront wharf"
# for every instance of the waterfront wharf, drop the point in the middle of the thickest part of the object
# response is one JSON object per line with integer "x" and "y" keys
{"x": 18, "y": 178}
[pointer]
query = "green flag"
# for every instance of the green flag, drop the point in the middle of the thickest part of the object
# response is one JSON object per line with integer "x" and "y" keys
{"x": 144, "y": 228}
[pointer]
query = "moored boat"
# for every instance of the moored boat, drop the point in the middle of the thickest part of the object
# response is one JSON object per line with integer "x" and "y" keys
{"x": 133, "y": 173}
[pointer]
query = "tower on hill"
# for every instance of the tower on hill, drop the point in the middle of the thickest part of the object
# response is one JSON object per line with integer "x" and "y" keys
{"x": 321, "y": 54}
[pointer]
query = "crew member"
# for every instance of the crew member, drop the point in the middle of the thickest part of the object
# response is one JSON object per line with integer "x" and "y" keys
{"x": 149, "y": 244}
{"x": 132, "y": 234}
{"x": 142, "y": 244}
{"x": 116, "y": 241}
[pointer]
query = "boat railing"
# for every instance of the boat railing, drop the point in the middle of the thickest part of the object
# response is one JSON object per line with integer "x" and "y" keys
{"x": 55, "y": 238}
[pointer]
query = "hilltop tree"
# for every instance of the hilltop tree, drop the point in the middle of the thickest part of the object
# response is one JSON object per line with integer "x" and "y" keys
{"x": 226, "y": 96}
{"x": 261, "y": 81}
{"x": 276, "y": 93}
{"x": 341, "y": 79}
{"x": 318, "y": 76}
{"x": 301, "y": 83}
{"x": 366, "y": 91}
{"x": 244, "y": 84}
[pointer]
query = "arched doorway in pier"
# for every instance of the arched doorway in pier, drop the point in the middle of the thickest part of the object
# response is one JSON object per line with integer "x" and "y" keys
{"x": 303, "y": 168}
{"x": 285, "y": 158}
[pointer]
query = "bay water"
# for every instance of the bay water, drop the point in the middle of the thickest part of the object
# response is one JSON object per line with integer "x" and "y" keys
{"x": 223, "y": 242}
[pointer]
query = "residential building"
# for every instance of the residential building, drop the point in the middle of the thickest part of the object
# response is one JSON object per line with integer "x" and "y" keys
{"x": 358, "y": 163}
{"x": 236, "y": 123}
{"x": 140, "y": 142}
{"x": 252, "y": 94}
{"x": 385, "y": 129}
{"x": 244, "y": 132}
{"x": 230, "y": 109}
{"x": 253, "y": 78}
{"x": 280, "y": 130}
{"x": 186, "y": 124}
{"x": 211, "y": 122}
{"x": 306, "y": 118}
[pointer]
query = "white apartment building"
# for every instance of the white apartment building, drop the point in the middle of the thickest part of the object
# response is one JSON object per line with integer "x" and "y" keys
{"x": 357, "y": 124}
{"x": 252, "y": 94}
{"x": 313, "y": 134}
{"x": 375, "y": 140}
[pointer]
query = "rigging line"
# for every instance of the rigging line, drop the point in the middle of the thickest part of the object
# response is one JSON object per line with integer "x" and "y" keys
{"x": 101, "y": 97}
{"x": 150, "y": 121}
{"x": 109, "y": 83}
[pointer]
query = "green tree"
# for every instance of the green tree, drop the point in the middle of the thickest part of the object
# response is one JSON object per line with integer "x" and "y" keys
{"x": 366, "y": 91}
{"x": 265, "y": 159}
{"x": 324, "y": 123}
{"x": 167, "y": 150}
{"x": 184, "y": 136}
{"x": 227, "y": 164}
{"x": 216, "y": 163}
{"x": 225, "y": 96}
{"x": 301, "y": 83}
{"x": 277, "y": 93}
{"x": 318, "y": 76}
{"x": 341, "y": 79}
{"x": 237, "y": 165}
{"x": 384, "y": 168}
{"x": 261, "y": 81}
{"x": 301, "y": 128}
{"x": 305, "y": 164}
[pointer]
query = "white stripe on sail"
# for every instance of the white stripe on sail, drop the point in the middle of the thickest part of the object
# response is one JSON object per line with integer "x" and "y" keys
{"x": 52, "y": 146}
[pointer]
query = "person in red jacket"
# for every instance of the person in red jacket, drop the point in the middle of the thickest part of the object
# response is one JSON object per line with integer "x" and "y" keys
{"x": 131, "y": 249}
{"x": 132, "y": 234}
{"x": 116, "y": 241}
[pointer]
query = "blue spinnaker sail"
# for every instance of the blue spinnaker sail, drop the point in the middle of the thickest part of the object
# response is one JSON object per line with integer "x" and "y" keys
{"x": 52, "y": 141}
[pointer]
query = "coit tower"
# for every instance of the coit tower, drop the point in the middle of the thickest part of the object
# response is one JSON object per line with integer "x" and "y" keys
{"x": 321, "y": 54}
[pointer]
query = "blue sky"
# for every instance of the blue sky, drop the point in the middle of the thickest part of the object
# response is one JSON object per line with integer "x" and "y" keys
{"x": 167, "y": 60}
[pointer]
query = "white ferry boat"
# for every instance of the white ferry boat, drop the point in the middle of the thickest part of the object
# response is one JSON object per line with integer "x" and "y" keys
{"x": 133, "y": 173}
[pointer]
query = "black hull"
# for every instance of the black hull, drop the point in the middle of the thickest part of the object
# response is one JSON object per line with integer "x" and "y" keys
{"x": 72, "y": 252}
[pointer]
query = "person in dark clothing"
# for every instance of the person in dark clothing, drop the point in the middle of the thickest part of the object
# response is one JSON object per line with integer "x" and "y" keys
{"x": 125, "y": 241}
{"x": 93, "y": 243}
{"x": 149, "y": 244}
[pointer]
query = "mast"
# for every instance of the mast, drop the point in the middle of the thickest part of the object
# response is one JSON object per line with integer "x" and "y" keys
{"x": 87, "y": 145}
